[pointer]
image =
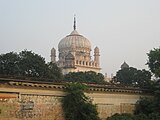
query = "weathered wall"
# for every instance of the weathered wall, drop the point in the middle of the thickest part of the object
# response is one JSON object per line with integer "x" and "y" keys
{"x": 30, "y": 104}
{"x": 39, "y": 102}
{"x": 111, "y": 103}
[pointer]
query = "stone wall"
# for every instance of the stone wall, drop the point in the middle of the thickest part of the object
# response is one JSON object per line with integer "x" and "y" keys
{"x": 27, "y": 102}
{"x": 31, "y": 107}
{"x": 111, "y": 103}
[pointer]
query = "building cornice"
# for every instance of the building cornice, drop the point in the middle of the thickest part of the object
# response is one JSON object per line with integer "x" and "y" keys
{"x": 28, "y": 84}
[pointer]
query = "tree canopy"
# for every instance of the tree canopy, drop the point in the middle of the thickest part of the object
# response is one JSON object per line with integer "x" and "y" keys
{"x": 28, "y": 64}
{"x": 154, "y": 61}
{"x": 89, "y": 76}
{"x": 32, "y": 65}
{"x": 76, "y": 105}
{"x": 9, "y": 64}
{"x": 133, "y": 77}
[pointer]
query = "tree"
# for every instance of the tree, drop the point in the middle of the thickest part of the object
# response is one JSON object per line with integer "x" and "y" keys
{"x": 133, "y": 77}
{"x": 121, "y": 117}
{"x": 28, "y": 64}
{"x": 143, "y": 78}
{"x": 54, "y": 72}
{"x": 140, "y": 117}
{"x": 150, "y": 106}
{"x": 154, "y": 61}
{"x": 9, "y": 64}
{"x": 89, "y": 76}
{"x": 76, "y": 105}
{"x": 32, "y": 65}
{"x": 145, "y": 106}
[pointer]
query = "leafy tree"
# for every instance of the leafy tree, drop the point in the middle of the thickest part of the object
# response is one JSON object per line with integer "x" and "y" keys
{"x": 145, "y": 106}
{"x": 134, "y": 77}
{"x": 140, "y": 117}
{"x": 89, "y": 76}
{"x": 32, "y": 65}
{"x": 154, "y": 61}
{"x": 156, "y": 100}
{"x": 28, "y": 64}
{"x": 76, "y": 105}
{"x": 143, "y": 78}
{"x": 154, "y": 116}
{"x": 121, "y": 117}
{"x": 54, "y": 72}
{"x": 150, "y": 106}
{"x": 9, "y": 64}
{"x": 126, "y": 76}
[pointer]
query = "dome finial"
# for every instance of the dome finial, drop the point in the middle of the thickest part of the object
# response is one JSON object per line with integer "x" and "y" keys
{"x": 74, "y": 26}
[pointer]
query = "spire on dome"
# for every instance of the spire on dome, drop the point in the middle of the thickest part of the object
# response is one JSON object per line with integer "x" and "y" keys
{"x": 74, "y": 26}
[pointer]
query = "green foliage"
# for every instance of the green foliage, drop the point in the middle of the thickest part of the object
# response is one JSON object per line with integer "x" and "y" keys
{"x": 154, "y": 61}
{"x": 32, "y": 65}
{"x": 145, "y": 106}
{"x": 140, "y": 117}
{"x": 9, "y": 64}
{"x": 54, "y": 72}
{"x": 121, "y": 117}
{"x": 150, "y": 106}
{"x": 152, "y": 116}
{"x": 28, "y": 64}
{"x": 133, "y": 77}
{"x": 89, "y": 76}
{"x": 76, "y": 105}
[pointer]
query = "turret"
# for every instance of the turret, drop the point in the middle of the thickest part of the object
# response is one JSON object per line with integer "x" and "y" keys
{"x": 124, "y": 65}
{"x": 53, "y": 55}
{"x": 96, "y": 55}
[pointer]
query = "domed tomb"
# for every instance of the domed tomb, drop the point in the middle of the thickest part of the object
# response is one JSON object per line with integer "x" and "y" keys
{"x": 79, "y": 47}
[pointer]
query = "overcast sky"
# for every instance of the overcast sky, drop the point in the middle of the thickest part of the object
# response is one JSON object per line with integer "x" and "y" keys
{"x": 124, "y": 30}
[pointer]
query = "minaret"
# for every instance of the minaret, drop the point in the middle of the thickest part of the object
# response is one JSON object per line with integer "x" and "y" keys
{"x": 53, "y": 55}
{"x": 96, "y": 55}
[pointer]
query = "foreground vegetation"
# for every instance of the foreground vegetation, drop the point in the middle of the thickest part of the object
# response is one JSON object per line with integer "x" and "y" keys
{"x": 76, "y": 105}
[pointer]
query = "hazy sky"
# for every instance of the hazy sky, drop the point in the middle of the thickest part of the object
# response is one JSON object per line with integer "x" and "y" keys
{"x": 122, "y": 29}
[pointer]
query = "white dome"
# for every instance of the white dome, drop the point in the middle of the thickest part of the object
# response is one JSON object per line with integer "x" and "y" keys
{"x": 74, "y": 39}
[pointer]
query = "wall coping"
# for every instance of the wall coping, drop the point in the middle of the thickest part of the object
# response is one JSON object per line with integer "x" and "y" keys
{"x": 103, "y": 88}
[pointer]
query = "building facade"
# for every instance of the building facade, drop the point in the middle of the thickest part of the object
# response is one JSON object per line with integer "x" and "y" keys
{"x": 75, "y": 54}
